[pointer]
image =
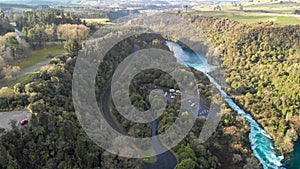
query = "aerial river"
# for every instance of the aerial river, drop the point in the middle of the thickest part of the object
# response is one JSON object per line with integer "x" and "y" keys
{"x": 292, "y": 161}
{"x": 261, "y": 142}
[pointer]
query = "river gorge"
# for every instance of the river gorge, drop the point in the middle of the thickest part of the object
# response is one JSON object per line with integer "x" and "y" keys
{"x": 261, "y": 143}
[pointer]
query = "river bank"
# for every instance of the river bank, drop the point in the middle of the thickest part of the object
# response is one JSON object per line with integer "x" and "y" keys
{"x": 261, "y": 143}
{"x": 292, "y": 161}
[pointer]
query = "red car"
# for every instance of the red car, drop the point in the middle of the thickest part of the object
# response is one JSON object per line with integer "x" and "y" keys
{"x": 24, "y": 122}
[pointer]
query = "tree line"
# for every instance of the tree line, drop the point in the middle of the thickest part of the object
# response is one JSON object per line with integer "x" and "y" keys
{"x": 11, "y": 48}
{"x": 261, "y": 63}
{"x": 38, "y": 30}
{"x": 55, "y": 139}
{"x": 39, "y": 27}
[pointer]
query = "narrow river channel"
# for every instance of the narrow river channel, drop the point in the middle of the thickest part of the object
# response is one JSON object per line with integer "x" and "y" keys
{"x": 261, "y": 143}
{"x": 292, "y": 161}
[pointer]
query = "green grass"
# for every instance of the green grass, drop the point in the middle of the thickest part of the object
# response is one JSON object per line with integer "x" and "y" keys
{"x": 96, "y": 20}
{"x": 24, "y": 79}
{"x": 253, "y": 18}
{"x": 286, "y": 8}
{"x": 272, "y": 9}
{"x": 263, "y": 11}
{"x": 38, "y": 56}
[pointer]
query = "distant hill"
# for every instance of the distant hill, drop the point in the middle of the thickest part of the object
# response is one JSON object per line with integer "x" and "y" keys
{"x": 5, "y": 6}
{"x": 33, "y": 2}
{"x": 49, "y": 2}
{"x": 69, "y": 2}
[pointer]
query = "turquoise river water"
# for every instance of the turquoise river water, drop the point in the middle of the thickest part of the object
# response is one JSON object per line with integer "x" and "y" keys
{"x": 261, "y": 142}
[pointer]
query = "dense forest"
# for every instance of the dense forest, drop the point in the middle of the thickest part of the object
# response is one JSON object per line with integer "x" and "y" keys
{"x": 39, "y": 27}
{"x": 4, "y": 24}
{"x": 38, "y": 30}
{"x": 230, "y": 139}
{"x": 55, "y": 139}
{"x": 11, "y": 47}
{"x": 262, "y": 71}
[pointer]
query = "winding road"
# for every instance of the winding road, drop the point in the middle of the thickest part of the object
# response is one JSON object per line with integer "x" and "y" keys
{"x": 25, "y": 72}
{"x": 166, "y": 160}
{"x": 7, "y": 117}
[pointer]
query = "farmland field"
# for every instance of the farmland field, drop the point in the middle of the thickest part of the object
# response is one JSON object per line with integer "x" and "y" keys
{"x": 96, "y": 20}
{"x": 245, "y": 17}
{"x": 281, "y": 12}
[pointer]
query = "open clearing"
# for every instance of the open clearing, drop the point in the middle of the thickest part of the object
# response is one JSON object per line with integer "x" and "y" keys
{"x": 247, "y": 17}
{"x": 38, "y": 56}
{"x": 280, "y": 12}
{"x": 96, "y": 20}
{"x": 32, "y": 63}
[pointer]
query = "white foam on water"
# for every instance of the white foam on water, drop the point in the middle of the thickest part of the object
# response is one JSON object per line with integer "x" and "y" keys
{"x": 261, "y": 141}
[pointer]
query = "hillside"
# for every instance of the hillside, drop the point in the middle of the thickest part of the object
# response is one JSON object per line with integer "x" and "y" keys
{"x": 250, "y": 54}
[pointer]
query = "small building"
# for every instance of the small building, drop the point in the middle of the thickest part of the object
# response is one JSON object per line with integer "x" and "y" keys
{"x": 172, "y": 90}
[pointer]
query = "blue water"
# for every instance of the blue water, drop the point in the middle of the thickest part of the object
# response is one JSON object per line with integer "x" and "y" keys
{"x": 261, "y": 143}
{"x": 293, "y": 161}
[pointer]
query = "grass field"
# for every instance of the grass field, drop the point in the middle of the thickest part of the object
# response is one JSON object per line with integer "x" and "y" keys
{"x": 249, "y": 18}
{"x": 24, "y": 79}
{"x": 38, "y": 56}
{"x": 278, "y": 11}
{"x": 254, "y": 8}
{"x": 285, "y": 9}
{"x": 96, "y": 20}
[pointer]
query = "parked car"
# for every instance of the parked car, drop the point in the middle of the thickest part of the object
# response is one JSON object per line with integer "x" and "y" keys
{"x": 24, "y": 122}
